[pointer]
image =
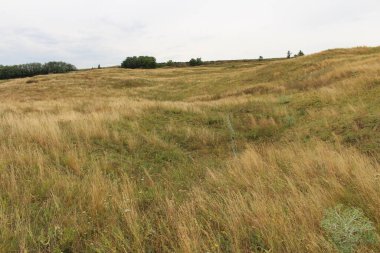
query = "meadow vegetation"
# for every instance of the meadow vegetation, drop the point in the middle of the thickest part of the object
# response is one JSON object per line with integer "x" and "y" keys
{"x": 226, "y": 157}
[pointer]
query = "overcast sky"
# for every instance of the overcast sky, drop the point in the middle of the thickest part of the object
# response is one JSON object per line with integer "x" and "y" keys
{"x": 91, "y": 32}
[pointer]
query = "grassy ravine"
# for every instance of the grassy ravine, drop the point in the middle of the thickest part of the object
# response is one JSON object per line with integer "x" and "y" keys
{"x": 117, "y": 160}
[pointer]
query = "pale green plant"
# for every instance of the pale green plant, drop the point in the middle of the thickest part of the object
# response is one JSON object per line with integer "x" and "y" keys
{"x": 348, "y": 228}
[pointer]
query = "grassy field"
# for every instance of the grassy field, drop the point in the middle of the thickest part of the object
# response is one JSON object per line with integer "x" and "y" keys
{"x": 231, "y": 157}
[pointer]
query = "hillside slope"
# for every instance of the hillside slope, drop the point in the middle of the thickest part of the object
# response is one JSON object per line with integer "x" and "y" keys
{"x": 233, "y": 157}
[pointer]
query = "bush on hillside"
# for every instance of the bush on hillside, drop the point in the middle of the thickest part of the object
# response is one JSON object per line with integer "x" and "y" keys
{"x": 143, "y": 62}
{"x": 171, "y": 63}
{"x": 300, "y": 53}
{"x": 196, "y": 62}
{"x": 33, "y": 69}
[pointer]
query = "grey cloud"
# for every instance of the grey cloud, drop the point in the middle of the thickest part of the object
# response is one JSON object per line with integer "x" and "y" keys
{"x": 36, "y": 36}
{"x": 87, "y": 33}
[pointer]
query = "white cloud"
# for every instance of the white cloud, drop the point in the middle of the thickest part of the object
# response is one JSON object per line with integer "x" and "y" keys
{"x": 87, "y": 33}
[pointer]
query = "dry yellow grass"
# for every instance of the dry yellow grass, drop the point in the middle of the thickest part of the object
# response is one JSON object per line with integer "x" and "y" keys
{"x": 120, "y": 160}
{"x": 272, "y": 199}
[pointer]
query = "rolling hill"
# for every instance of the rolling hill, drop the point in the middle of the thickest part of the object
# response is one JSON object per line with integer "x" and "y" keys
{"x": 242, "y": 156}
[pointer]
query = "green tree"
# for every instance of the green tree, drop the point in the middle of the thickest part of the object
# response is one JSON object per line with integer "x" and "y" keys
{"x": 144, "y": 62}
{"x": 57, "y": 67}
{"x": 196, "y": 62}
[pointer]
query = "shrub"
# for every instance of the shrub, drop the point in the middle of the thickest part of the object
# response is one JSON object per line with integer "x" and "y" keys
{"x": 196, "y": 62}
{"x": 348, "y": 228}
{"x": 171, "y": 63}
{"x": 143, "y": 62}
{"x": 261, "y": 58}
{"x": 300, "y": 53}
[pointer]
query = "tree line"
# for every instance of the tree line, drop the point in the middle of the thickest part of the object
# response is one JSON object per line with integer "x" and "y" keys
{"x": 143, "y": 62}
{"x": 149, "y": 62}
{"x": 33, "y": 69}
